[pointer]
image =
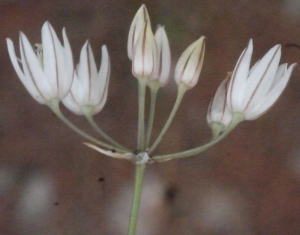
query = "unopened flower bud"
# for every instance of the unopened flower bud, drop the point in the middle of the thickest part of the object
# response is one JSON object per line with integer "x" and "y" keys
{"x": 163, "y": 65}
{"x": 189, "y": 65}
{"x": 218, "y": 111}
{"x": 136, "y": 27}
{"x": 145, "y": 56}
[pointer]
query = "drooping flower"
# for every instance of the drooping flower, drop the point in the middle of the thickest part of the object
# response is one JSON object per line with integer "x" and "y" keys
{"x": 189, "y": 65}
{"x": 218, "y": 111}
{"x": 48, "y": 73}
{"x": 252, "y": 92}
{"x": 163, "y": 63}
{"x": 136, "y": 27}
{"x": 89, "y": 88}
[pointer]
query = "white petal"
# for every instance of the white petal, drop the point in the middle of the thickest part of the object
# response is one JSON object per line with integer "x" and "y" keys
{"x": 53, "y": 54}
{"x": 253, "y": 67}
{"x": 162, "y": 70}
{"x": 102, "y": 102}
{"x": 70, "y": 103}
{"x": 238, "y": 79}
{"x": 101, "y": 86}
{"x": 72, "y": 100}
{"x": 135, "y": 28}
{"x": 271, "y": 98}
{"x": 69, "y": 66}
{"x": 279, "y": 73}
{"x": 261, "y": 79}
{"x": 87, "y": 72}
{"x": 218, "y": 109}
{"x": 94, "y": 73}
{"x": 28, "y": 84}
{"x": 33, "y": 70}
{"x": 208, "y": 115}
{"x": 145, "y": 56}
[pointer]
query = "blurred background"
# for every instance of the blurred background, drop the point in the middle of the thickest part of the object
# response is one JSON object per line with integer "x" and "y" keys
{"x": 50, "y": 183}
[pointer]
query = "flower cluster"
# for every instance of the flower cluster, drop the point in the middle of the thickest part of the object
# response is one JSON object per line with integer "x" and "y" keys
{"x": 48, "y": 73}
{"x": 151, "y": 57}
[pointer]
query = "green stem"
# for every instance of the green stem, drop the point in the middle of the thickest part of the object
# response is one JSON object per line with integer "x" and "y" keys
{"x": 138, "y": 184}
{"x": 236, "y": 119}
{"x": 154, "y": 86}
{"x": 181, "y": 91}
{"x": 216, "y": 129}
{"x": 54, "y": 106}
{"x": 102, "y": 133}
{"x": 141, "y": 121}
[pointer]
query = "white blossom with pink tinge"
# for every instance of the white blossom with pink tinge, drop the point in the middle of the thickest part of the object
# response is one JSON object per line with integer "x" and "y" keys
{"x": 252, "y": 92}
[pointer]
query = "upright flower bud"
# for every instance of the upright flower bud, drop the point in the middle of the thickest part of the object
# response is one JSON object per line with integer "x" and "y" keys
{"x": 218, "y": 115}
{"x": 163, "y": 65}
{"x": 189, "y": 65}
{"x": 135, "y": 28}
{"x": 253, "y": 92}
{"x": 145, "y": 56}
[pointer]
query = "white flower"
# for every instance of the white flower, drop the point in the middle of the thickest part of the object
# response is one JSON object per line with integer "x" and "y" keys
{"x": 218, "y": 111}
{"x": 145, "y": 55}
{"x": 189, "y": 65}
{"x": 135, "y": 28}
{"x": 253, "y": 92}
{"x": 163, "y": 63}
{"x": 47, "y": 74}
{"x": 89, "y": 87}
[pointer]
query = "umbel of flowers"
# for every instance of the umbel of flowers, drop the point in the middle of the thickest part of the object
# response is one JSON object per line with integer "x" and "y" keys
{"x": 47, "y": 72}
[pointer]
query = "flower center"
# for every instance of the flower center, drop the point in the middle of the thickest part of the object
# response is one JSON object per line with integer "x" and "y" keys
{"x": 38, "y": 48}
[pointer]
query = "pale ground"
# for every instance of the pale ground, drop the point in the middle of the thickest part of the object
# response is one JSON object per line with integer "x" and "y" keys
{"x": 248, "y": 184}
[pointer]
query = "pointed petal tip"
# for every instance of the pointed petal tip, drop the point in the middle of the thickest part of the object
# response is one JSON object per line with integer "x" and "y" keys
{"x": 104, "y": 48}
{"x": 46, "y": 27}
{"x": 21, "y": 34}
{"x": 278, "y": 47}
{"x": 159, "y": 26}
{"x": 293, "y": 65}
{"x": 47, "y": 23}
{"x": 86, "y": 44}
{"x": 250, "y": 44}
{"x": 9, "y": 41}
{"x": 64, "y": 31}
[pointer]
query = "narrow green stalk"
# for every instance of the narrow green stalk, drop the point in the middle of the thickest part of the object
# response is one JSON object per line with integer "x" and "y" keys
{"x": 216, "y": 129}
{"x": 236, "y": 119}
{"x": 154, "y": 86}
{"x": 54, "y": 106}
{"x": 138, "y": 184}
{"x": 181, "y": 91}
{"x": 141, "y": 121}
{"x": 102, "y": 133}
